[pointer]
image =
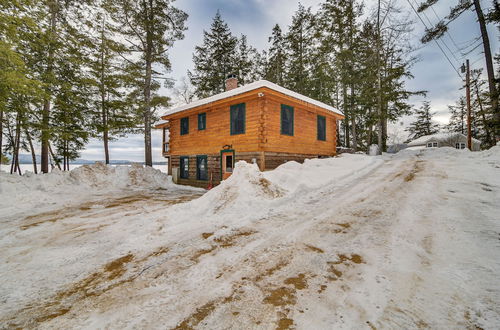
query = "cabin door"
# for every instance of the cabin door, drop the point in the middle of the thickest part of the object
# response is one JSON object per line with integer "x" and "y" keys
{"x": 227, "y": 163}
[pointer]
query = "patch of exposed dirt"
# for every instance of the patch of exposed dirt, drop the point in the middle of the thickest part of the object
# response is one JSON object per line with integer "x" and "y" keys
{"x": 298, "y": 282}
{"x": 284, "y": 324}
{"x": 86, "y": 210}
{"x": 95, "y": 284}
{"x": 343, "y": 261}
{"x": 281, "y": 297}
{"x": 314, "y": 249}
{"x": 416, "y": 169}
{"x": 229, "y": 240}
{"x": 201, "y": 313}
{"x": 270, "y": 271}
{"x": 196, "y": 256}
{"x": 206, "y": 235}
{"x": 269, "y": 189}
{"x": 322, "y": 288}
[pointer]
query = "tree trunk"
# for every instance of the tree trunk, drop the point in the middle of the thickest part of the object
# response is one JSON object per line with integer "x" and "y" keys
{"x": 54, "y": 158}
{"x": 32, "y": 150}
{"x": 347, "y": 117}
{"x": 489, "y": 69}
{"x": 1, "y": 135}
{"x": 17, "y": 142}
{"x": 353, "y": 122}
{"x": 483, "y": 117}
{"x": 148, "y": 160}
{"x": 104, "y": 111}
{"x": 53, "y": 8}
{"x": 379, "y": 85}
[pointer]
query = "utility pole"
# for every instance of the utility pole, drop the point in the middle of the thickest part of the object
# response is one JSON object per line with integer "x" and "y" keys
{"x": 466, "y": 68}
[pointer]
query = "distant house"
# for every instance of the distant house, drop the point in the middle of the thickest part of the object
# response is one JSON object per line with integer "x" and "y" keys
{"x": 453, "y": 140}
{"x": 260, "y": 123}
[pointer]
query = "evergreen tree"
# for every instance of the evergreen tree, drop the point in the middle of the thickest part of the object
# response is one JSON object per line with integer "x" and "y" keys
{"x": 150, "y": 28}
{"x": 423, "y": 125}
{"x": 300, "y": 46}
{"x": 275, "y": 69}
{"x": 111, "y": 116}
{"x": 458, "y": 118}
{"x": 215, "y": 59}
{"x": 247, "y": 62}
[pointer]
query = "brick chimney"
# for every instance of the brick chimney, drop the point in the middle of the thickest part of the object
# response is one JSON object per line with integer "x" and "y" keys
{"x": 231, "y": 82}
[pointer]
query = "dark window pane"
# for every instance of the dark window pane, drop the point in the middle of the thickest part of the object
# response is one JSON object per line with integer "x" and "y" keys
{"x": 184, "y": 167}
{"x": 184, "y": 125}
{"x": 229, "y": 163}
{"x": 237, "y": 116}
{"x": 201, "y": 168}
{"x": 202, "y": 121}
{"x": 321, "y": 128}
{"x": 286, "y": 120}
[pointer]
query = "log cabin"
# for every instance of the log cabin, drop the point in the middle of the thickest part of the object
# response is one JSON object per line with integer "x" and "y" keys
{"x": 261, "y": 123}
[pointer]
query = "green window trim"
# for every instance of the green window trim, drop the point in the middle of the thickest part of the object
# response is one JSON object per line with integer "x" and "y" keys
{"x": 237, "y": 118}
{"x": 202, "y": 121}
{"x": 287, "y": 120}
{"x": 184, "y": 125}
{"x": 321, "y": 128}
{"x": 201, "y": 173}
{"x": 184, "y": 167}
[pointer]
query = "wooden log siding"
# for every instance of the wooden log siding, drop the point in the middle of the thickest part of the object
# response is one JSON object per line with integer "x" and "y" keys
{"x": 262, "y": 131}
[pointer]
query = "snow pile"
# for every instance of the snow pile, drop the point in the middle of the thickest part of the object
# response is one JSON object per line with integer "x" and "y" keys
{"x": 244, "y": 191}
{"x": 41, "y": 190}
{"x": 315, "y": 173}
{"x": 248, "y": 189}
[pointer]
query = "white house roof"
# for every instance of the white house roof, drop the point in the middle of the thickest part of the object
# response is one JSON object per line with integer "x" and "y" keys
{"x": 437, "y": 137}
{"x": 250, "y": 87}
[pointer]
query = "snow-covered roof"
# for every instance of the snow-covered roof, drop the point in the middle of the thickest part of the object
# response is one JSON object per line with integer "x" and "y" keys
{"x": 250, "y": 87}
{"x": 438, "y": 137}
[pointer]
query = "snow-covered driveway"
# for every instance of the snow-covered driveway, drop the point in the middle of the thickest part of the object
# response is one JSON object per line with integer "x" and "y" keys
{"x": 408, "y": 241}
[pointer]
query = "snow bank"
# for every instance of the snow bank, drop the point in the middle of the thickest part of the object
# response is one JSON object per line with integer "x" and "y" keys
{"x": 248, "y": 189}
{"x": 57, "y": 186}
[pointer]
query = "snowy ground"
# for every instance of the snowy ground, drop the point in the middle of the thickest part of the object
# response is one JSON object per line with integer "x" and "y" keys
{"x": 404, "y": 241}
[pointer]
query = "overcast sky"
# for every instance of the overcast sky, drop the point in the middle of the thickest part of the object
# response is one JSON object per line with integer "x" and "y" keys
{"x": 256, "y": 18}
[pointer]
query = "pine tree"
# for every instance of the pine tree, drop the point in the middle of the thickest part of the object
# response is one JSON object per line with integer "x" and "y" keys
{"x": 215, "y": 59}
{"x": 111, "y": 115}
{"x": 458, "y": 118}
{"x": 339, "y": 31}
{"x": 423, "y": 125}
{"x": 275, "y": 68}
{"x": 247, "y": 62}
{"x": 150, "y": 28}
{"x": 300, "y": 46}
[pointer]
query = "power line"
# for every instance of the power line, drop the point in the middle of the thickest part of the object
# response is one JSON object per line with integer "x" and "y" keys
{"x": 440, "y": 48}
{"x": 444, "y": 43}
{"x": 448, "y": 33}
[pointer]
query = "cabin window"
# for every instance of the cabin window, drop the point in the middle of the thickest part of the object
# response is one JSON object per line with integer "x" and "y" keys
{"x": 321, "y": 128}
{"x": 184, "y": 125}
{"x": 460, "y": 145}
{"x": 202, "y": 121}
{"x": 201, "y": 168}
{"x": 238, "y": 119}
{"x": 432, "y": 145}
{"x": 286, "y": 120}
{"x": 184, "y": 167}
